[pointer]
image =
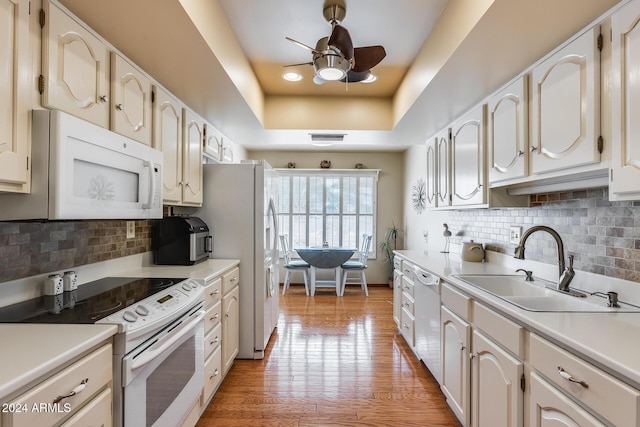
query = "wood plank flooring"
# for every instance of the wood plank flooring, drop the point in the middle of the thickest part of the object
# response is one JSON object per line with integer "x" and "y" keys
{"x": 331, "y": 362}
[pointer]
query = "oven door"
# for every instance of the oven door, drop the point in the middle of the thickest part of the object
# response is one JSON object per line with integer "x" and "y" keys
{"x": 163, "y": 379}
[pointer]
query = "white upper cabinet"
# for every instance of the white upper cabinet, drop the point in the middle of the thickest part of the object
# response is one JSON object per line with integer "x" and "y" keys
{"x": 193, "y": 140}
{"x": 75, "y": 67}
{"x": 167, "y": 137}
{"x": 212, "y": 143}
{"x": 625, "y": 160}
{"x": 130, "y": 100}
{"x": 508, "y": 152}
{"x": 467, "y": 158}
{"x": 565, "y": 106}
{"x": 431, "y": 182}
{"x": 14, "y": 96}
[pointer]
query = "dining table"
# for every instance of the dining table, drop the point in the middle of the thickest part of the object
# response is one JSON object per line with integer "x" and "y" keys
{"x": 325, "y": 257}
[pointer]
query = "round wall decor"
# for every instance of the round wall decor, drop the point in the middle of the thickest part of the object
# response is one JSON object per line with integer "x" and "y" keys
{"x": 418, "y": 195}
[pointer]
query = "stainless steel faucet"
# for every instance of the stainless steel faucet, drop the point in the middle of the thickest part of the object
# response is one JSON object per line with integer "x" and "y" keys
{"x": 565, "y": 275}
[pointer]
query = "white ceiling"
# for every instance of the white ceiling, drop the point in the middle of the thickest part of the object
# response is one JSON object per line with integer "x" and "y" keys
{"x": 457, "y": 65}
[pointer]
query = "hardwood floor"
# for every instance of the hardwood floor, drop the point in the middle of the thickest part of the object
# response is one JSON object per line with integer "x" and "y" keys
{"x": 331, "y": 362}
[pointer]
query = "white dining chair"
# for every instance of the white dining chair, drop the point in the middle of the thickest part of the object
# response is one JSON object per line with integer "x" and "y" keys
{"x": 357, "y": 267}
{"x": 293, "y": 265}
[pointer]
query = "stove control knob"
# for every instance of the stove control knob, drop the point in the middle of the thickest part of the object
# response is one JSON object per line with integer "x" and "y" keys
{"x": 129, "y": 316}
{"x": 142, "y": 310}
{"x": 186, "y": 287}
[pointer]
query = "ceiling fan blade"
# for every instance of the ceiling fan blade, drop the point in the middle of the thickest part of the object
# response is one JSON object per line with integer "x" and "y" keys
{"x": 302, "y": 45}
{"x": 355, "y": 76}
{"x": 367, "y": 57}
{"x": 341, "y": 40}
{"x": 295, "y": 65}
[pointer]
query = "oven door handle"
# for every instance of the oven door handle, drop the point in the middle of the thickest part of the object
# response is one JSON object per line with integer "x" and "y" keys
{"x": 158, "y": 348}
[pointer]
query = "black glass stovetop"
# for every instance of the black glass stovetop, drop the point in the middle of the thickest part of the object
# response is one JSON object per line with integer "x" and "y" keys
{"x": 88, "y": 304}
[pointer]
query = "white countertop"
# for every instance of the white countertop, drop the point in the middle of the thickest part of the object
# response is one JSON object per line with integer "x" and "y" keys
{"x": 31, "y": 351}
{"x": 609, "y": 340}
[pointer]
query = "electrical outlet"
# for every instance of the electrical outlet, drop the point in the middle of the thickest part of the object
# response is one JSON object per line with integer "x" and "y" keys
{"x": 131, "y": 229}
{"x": 515, "y": 231}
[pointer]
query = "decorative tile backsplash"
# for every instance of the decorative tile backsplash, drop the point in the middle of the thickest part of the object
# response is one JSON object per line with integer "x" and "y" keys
{"x": 31, "y": 248}
{"x": 603, "y": 236}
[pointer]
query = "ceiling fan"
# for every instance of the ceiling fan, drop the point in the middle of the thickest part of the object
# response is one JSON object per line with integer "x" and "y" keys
{"x": 334, "y": 57}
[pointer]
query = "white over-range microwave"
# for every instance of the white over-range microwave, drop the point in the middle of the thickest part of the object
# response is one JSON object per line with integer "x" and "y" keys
{"x": 83, "y": 171}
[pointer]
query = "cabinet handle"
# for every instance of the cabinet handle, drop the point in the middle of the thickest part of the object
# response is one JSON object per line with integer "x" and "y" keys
{"x": 520, "y": 153}
{"x": 567, "y": 376}
{"x": 471, "y": 356}
{"x": 404, "y": 325}
{"x": 462, "y": 347}
{"x": 73, "y": 392}
{"x": 215, "y": 374}
{"x": 119, "y": 107}
{"x": 533, "y": 148}
{"x": 104, "y": 99}
{"x": 215, "y": 341}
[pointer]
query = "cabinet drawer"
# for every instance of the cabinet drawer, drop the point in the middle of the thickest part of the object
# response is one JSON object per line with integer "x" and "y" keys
{"x": 407, "y": 270}
{"x": 456, "y": 301}
{"x": 407, "y": 326}
{"x": 212, "y": 292}
{"x": 507, "y": 333}
{"x": 408, "y": 304}
{"x": 397, "y": 263}
{"x": 95, "y": 367}
{"x": 212, "y": 316}
{"x": 212, "y": 374}
{"x": 604, "y": 394}
{"x": 212, "y": 339}
{"x": 407, "y": 286}
{"x": 95, "y": 413}
{"x": 230, "y": 280}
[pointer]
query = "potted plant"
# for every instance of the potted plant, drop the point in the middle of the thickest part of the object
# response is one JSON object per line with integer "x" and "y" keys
{"x": 390, "y": 243}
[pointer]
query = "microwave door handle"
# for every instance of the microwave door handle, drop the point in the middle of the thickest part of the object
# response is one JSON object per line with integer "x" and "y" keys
{"x": 152, "y": 185}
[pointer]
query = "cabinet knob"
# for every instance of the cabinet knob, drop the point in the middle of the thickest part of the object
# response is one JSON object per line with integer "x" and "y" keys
{"x": 520, "y": 153}
{"x": 119, "y": 107}
{"x": 104, "y": 99}
{"x": 533, "y": 148}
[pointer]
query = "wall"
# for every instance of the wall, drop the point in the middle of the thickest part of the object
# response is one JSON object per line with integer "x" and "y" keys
{"x": 603, "y": 236}
{"x": 32, "y": 248}
{"x": 389, "y": 188}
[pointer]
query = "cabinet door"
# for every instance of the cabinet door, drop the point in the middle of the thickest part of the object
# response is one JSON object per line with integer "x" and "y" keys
{"x": 431, "y": 182}
{"x": 14, "y": 99}
{"x": 565, "y": 98}
{"x": 507, "y": 132}
{"x": 75, "y": 65}
{"x": 550, "y": 408}
{"x": 467, "y": 159}
{"x": 130, "y": 100}
{"x": 95, "y": 413}
{"x": 167, "y": 137}
{"x": 397, "y": 296}
{"x": 497, "y": 399}
{"x": 443, "y": 160}
{"x": 193, "y": 139}
{"x": 455, "y": 364}
{"x": 227, "y": 151}
{"x": 625, "y": 163}
{"x": 212, "y": 143}
{"x": 230, "y": 328}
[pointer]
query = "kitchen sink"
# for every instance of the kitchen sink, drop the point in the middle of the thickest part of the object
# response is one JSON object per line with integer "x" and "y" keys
{"x": 540, "y": 295}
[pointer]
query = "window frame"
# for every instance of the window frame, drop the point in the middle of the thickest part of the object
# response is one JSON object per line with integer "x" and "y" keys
{"x": 330, "y": 173}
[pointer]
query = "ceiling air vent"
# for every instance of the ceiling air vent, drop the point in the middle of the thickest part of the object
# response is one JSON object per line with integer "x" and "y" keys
{"x": 327, "y": 137}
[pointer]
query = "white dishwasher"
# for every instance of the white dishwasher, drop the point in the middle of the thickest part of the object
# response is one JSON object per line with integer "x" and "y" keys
{"x": 427, "y": 327}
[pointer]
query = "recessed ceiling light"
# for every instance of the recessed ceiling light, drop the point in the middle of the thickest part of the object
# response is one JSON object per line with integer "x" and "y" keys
{"x": 372, "y": 78}
{"x": 292, "y": 76}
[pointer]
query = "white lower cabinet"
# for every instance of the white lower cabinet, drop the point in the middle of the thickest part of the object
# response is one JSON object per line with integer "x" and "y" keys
{"x": 212, "y": 339}
{"x": 548, "y": 407}
{"x": 230, "y": 318}
{"x": 407, "y": 312}
{"x": 456, "y": 337}
{"x": 497, "y": 397}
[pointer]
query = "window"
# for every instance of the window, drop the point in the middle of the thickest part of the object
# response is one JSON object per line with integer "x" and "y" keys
{"x": 317, "y": 206}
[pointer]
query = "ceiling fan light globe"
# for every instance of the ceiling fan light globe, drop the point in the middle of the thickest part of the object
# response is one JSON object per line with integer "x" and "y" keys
{"x": 331, "y": 74}
{"x": 331, "y": 67}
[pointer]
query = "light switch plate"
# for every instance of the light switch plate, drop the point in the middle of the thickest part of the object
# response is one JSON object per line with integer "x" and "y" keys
{"x": 515, "y": 231}
{"x": 131, "y": 229}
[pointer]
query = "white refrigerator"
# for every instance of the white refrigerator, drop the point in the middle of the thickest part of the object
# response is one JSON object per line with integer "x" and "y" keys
{"x": 240, "y": 209}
